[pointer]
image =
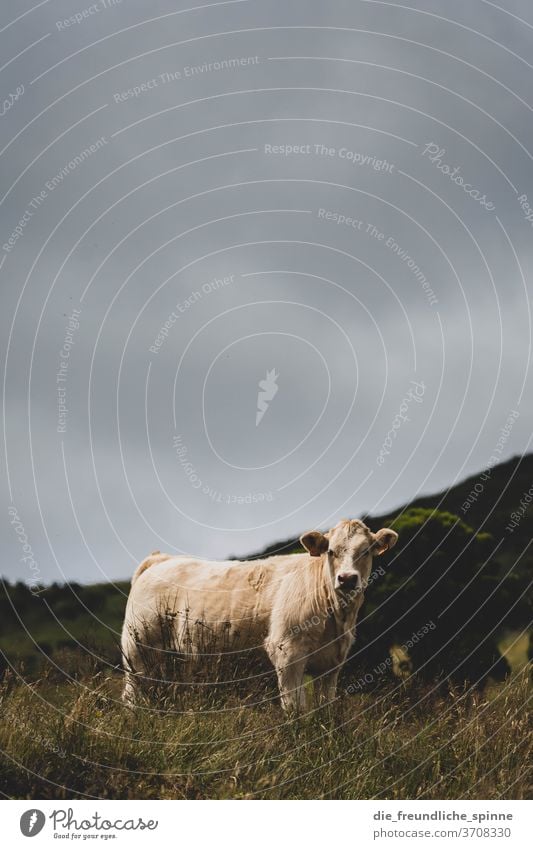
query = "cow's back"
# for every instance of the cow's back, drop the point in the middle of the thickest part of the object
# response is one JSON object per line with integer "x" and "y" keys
{"x": 212, "y": 605}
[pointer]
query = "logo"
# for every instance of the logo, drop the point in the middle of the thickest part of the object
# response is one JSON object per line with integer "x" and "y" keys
{"x": 267, "y": 389}
{"x": 32, "y": 822}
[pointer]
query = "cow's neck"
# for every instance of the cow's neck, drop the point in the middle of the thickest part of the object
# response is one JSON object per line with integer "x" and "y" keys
{"x": 341, "y": 607}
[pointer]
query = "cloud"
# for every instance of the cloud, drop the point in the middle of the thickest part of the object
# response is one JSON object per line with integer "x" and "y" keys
{"x": 280, "y": 148}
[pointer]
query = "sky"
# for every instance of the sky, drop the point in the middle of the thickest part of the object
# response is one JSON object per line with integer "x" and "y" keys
{"x": 263, "y": 266}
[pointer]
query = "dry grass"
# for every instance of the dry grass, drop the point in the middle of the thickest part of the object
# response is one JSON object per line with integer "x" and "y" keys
{"x": 75, "y": 739}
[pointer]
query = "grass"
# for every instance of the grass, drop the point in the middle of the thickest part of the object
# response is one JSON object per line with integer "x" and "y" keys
{"x": 73, "y": 739}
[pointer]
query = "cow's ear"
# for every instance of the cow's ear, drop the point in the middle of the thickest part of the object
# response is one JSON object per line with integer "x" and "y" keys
{"x": 315, "y": 543}
{"x": 384, "y": 539}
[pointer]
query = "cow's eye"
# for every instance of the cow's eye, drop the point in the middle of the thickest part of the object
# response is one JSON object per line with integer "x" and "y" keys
{"x": 330, "y": 552}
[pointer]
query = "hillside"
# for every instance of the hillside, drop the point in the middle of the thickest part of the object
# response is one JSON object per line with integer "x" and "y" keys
{"x": 61, "y": 619}
{"x": 486, "y": 501}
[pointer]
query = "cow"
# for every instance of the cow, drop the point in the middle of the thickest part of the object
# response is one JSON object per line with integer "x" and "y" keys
{"x": 302, "y": 608}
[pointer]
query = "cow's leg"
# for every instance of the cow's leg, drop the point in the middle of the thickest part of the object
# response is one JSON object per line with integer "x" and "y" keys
{"x": 134, "y": 669}
{"x": 326, "y": 686}
{"x": 290, "y": 668}
{"x": 130, "y": 692}
{"x": 291, "y": 683}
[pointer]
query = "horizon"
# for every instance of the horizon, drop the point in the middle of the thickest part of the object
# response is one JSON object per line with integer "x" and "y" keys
{"x": 517, "y": 459}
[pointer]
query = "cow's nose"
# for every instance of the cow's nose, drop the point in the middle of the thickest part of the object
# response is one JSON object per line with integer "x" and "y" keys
{"x": 348, "y": 580}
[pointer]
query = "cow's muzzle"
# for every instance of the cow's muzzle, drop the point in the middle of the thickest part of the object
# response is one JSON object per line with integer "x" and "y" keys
{"x": 348, "y": 581}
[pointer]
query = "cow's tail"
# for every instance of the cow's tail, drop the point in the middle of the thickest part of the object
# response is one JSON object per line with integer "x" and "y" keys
{"x": 154, "y": 557}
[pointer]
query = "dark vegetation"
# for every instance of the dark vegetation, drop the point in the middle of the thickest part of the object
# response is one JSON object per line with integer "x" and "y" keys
{"x": 458, "y": 566}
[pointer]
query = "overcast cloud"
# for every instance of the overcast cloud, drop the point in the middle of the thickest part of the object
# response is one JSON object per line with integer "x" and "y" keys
{"x": 244, "y": 192}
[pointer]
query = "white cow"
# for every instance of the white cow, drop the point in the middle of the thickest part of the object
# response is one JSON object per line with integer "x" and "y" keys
{"x": 302, "y": 608}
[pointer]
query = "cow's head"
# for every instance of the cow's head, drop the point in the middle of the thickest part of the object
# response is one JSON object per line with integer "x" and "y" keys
{"x": 349, "y": 548}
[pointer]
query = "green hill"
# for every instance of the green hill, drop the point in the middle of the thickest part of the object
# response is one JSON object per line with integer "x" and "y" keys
{"x": 61, "y": 619}
{"x": 486, "y": 501}
{"x": 465, "y": 562}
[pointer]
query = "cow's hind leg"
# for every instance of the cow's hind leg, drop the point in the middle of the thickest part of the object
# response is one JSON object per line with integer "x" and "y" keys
{"x": 130, "y": 691}
{"x": 134, "y": 672}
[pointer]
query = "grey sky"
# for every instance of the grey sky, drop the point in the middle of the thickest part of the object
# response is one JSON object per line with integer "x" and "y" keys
{"x": 399, "y": 339}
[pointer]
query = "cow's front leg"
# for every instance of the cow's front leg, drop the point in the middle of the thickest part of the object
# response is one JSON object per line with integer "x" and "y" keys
{"x": 290, "y": 668}
{"x": 291, "y": 684}
{"x": 326, "y": 686}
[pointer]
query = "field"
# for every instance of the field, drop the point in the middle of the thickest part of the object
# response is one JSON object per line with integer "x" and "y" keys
{"x": 73, "y": 739}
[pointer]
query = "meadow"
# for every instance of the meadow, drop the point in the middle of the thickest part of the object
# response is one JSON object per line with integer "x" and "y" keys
{"x": 66, "y": 735}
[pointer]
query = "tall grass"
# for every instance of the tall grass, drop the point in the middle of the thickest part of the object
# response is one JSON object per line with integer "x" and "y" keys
{"x": 73, "y": 738}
